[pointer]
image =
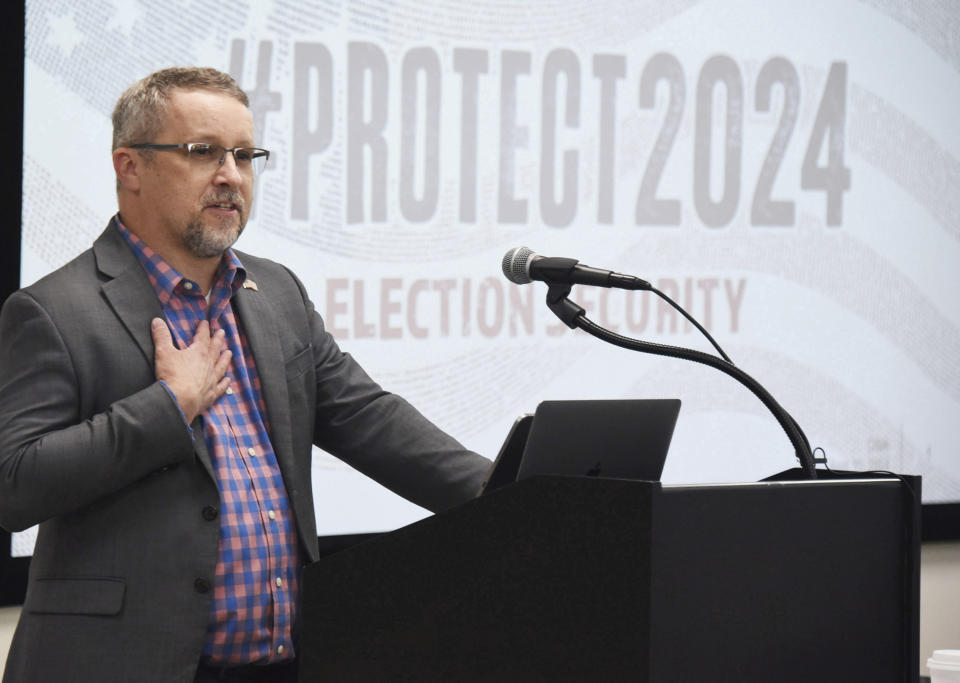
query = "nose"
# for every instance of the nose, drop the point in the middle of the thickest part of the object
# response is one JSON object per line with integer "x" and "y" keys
{"x": 228, "y": 173}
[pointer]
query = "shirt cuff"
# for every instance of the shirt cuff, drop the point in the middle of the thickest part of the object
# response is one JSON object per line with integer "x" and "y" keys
{"x": 173, "y": 396}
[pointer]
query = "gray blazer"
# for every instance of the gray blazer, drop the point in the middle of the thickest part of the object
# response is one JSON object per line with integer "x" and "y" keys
{"x": 94, "y": 449}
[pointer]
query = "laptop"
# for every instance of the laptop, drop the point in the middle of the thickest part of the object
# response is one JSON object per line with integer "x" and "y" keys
{"x": 614, "y": 439}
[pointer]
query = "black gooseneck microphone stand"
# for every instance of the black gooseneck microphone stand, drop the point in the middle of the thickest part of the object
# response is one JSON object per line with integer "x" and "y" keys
{"x": 574, "y": 316}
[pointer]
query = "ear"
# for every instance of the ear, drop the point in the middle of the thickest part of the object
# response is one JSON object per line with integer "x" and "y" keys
{"x": 128, "y": 166}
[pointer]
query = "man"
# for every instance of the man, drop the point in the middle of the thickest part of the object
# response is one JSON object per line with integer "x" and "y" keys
{"x": 159, "y": 396}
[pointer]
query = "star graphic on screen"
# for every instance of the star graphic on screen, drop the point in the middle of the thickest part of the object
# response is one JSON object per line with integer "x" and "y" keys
{"x": 64, "y": 33}
{"x": 124, "y": 17}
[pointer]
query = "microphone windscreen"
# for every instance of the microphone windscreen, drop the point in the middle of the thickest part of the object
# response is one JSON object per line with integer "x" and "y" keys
{"x": 516, "y": 265}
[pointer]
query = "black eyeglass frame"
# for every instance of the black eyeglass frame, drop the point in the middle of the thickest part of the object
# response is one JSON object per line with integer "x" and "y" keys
{"x": 191, "y": 147}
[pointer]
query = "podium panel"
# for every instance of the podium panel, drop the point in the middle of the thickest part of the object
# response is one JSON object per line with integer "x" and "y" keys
{"x": 572, "y": 579}
{"x": 792, "y": 581}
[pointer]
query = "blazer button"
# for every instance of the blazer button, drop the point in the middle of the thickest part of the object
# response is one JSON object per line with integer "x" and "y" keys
{"x": 201, "y": 585}
{"x": 210, "y": 513}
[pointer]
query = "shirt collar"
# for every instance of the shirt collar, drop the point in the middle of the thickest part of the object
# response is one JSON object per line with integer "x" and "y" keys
{"x": 167, "y": 281}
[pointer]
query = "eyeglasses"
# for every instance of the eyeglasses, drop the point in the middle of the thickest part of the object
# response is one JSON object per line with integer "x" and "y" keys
{"x": 207, "y": 155}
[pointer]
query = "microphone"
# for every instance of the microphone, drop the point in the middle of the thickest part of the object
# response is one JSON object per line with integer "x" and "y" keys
{"x": 521, "y": 265}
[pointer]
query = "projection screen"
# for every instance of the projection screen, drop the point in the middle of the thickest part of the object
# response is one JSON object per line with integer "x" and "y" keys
{"x": 786, "y": 171}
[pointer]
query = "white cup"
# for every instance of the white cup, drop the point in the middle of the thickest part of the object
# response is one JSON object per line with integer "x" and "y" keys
{"x": 944, "y": 666}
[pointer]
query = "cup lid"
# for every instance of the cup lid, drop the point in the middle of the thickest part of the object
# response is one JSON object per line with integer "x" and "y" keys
{"x": 948, "y": 657}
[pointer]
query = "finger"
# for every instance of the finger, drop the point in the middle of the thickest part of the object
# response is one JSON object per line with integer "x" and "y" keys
{"x": 161, "y": 334}
{"x": 217, "y": 345}
{"x": 203, "y": 332}
{"x": 223, "y": 362}
{"x": 222, "y": 386}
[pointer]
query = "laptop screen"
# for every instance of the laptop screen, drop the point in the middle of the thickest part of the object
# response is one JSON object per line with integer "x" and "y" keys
{"x": 618, "y": 439}
{"x": 504, "y": 469}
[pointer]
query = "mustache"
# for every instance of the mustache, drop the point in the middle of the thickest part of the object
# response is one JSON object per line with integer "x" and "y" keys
{"x": 225, "y": 197}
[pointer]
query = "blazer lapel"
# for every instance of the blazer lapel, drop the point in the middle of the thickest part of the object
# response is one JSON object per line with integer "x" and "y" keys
{"x": 133, "y": 299}
{"x": 260, "y": 326}
{"x": 128, "y": 290}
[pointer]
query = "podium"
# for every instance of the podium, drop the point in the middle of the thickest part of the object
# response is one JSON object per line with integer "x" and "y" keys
{"x": 582, "y": 579}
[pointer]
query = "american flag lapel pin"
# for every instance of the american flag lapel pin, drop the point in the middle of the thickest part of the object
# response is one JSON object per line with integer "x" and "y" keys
{"x": 250, "y": 284}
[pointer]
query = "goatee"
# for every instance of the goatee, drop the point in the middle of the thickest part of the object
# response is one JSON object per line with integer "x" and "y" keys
{"x": 205, "y": 241}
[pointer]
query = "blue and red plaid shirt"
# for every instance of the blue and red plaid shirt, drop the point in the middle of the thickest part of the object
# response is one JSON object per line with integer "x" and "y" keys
{"x": 257, "y": 575}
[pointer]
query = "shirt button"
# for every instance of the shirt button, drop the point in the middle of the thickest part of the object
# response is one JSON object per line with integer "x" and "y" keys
{"x": 188, "y": 285}
{"x": 229, "y": 390}
{"x": 251, "y": 451}
{"x": 201, "y": 585}
{"x": 271, "y": 514}
{"x": 210, "y": 513}
{"x": 279, "y": 582}
{"x": 279, "y": 649}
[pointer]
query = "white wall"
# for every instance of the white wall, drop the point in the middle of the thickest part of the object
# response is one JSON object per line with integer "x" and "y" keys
{"x": 8, "y": 621}
{"x": 939, "y": 604}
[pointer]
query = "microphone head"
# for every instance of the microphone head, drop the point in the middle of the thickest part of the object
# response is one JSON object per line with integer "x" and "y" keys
{"x": 516, "y": 265}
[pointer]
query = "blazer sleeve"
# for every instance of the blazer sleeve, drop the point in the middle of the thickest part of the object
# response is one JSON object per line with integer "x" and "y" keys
{"x": 384, "y": 436}
{"x": 53, "y": 460}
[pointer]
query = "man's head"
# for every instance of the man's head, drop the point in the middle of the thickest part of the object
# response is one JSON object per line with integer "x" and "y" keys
{"x": 139, "y": 114}
{"x": 187, "y": 204}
